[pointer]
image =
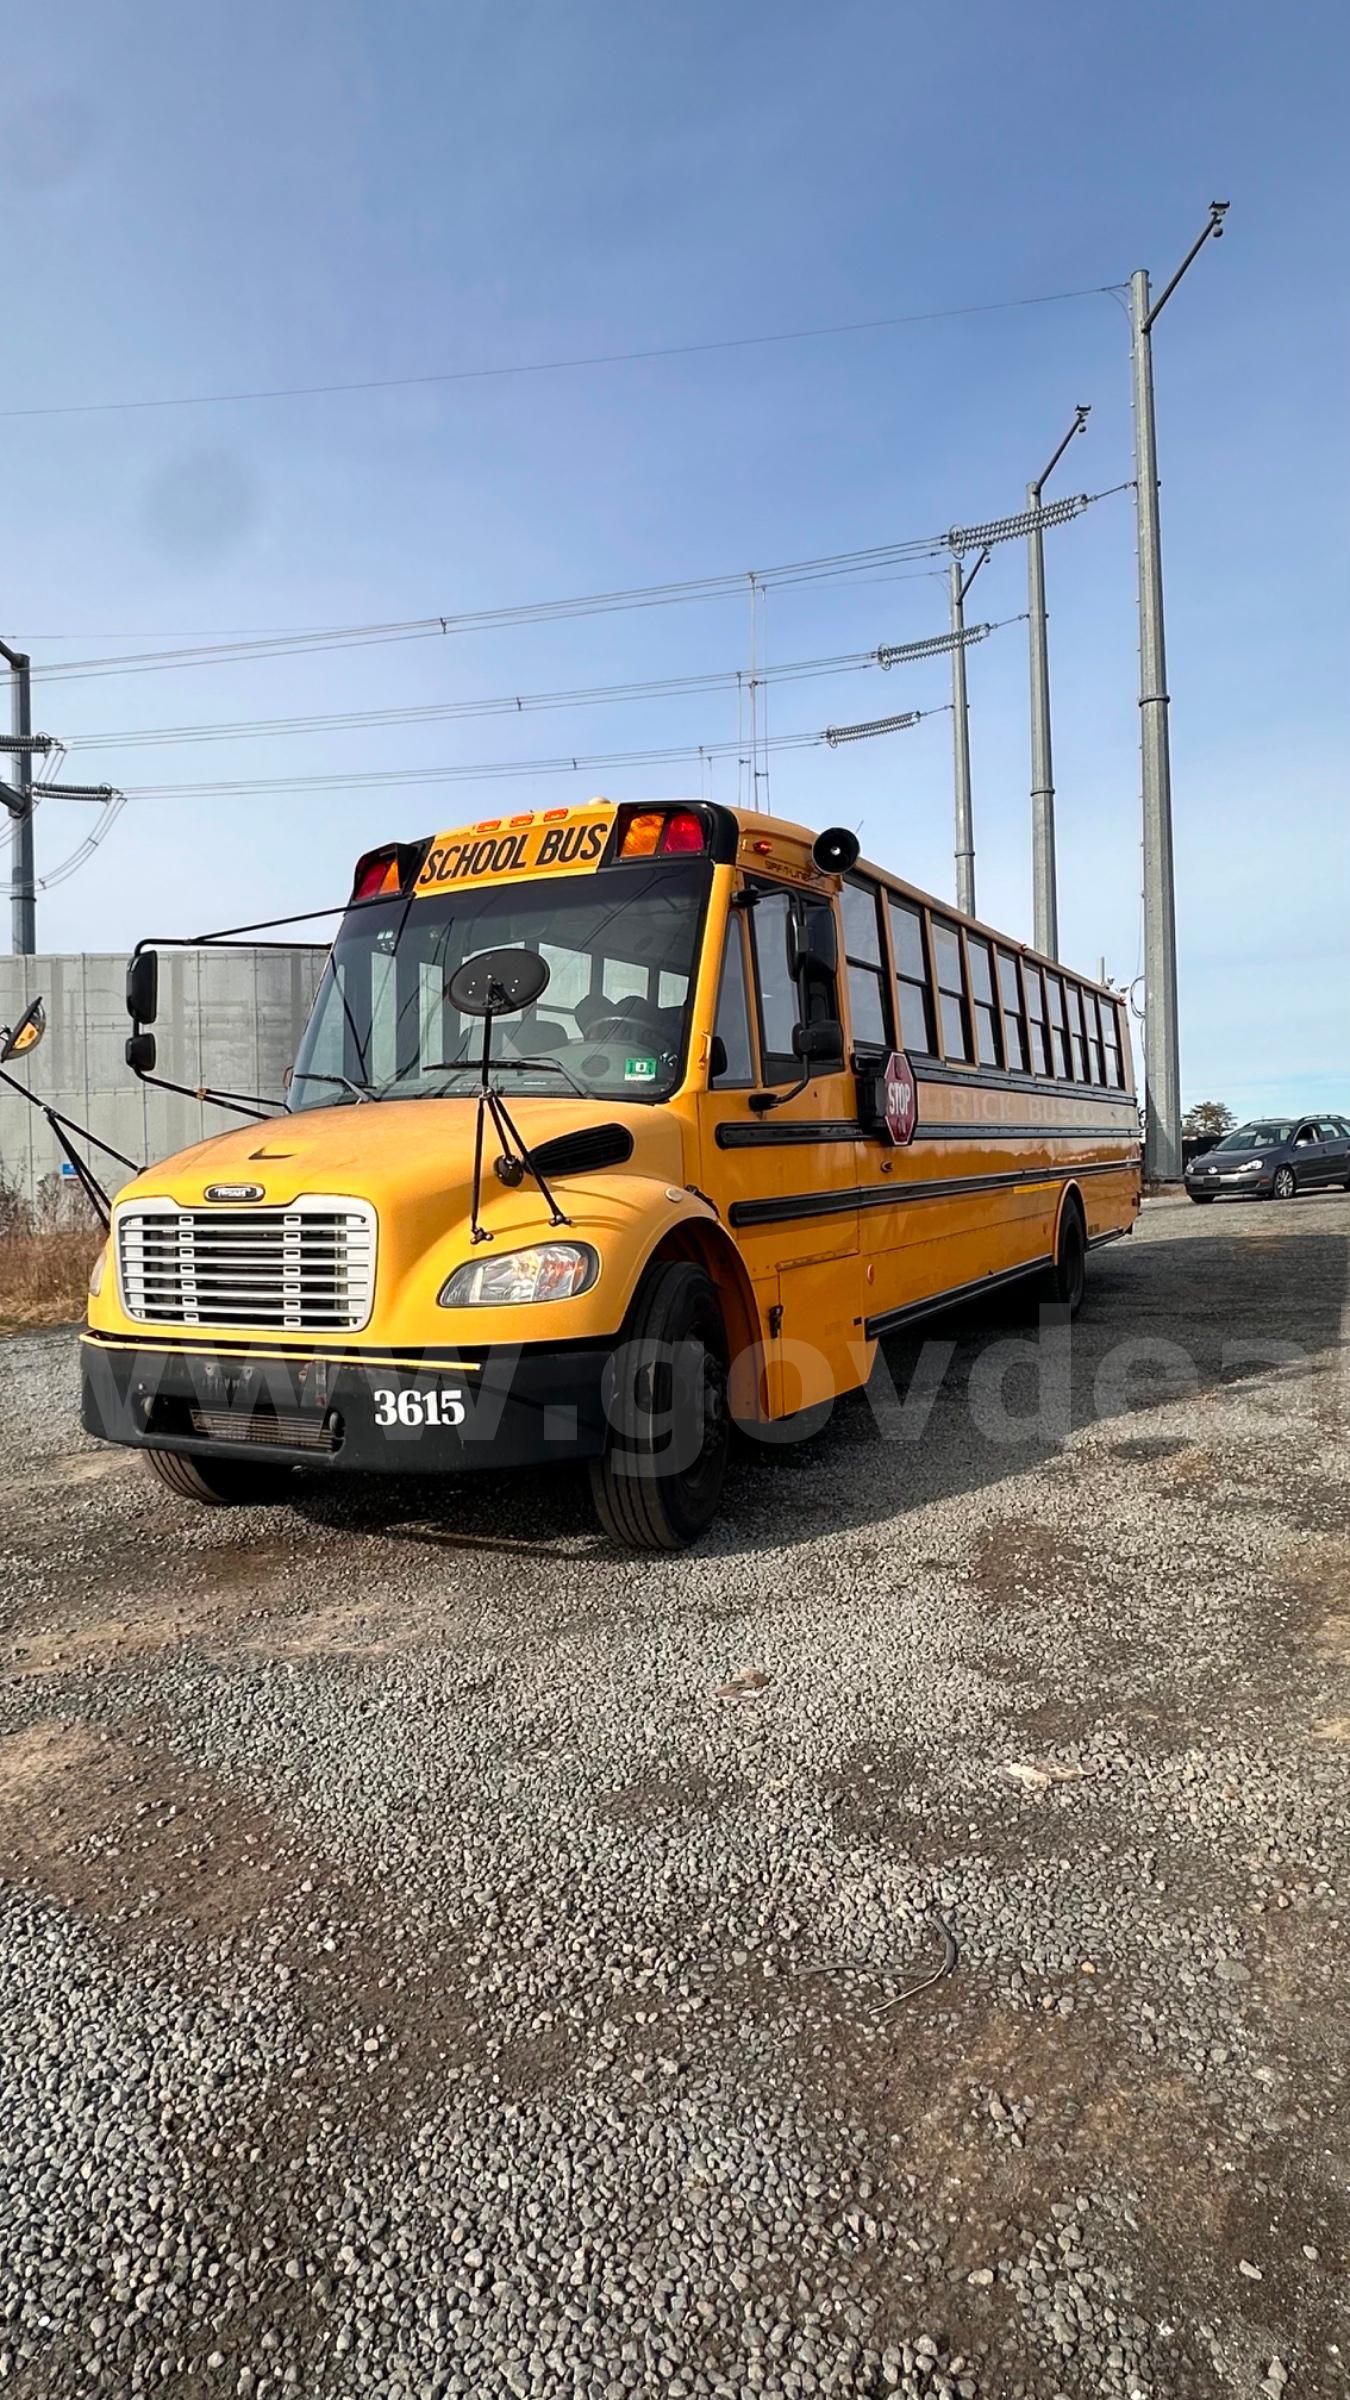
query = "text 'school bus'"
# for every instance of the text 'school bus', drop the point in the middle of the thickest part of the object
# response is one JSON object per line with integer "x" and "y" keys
{"x": 748, "y": 1105}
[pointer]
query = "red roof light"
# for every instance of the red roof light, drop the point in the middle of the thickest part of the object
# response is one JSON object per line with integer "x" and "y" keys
{"x": 683, "y": 835}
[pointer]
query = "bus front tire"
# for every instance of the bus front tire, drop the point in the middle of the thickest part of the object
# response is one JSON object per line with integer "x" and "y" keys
{"x": 219, "y": 1482}
{"x": 1067, "y": 1278}
{"x": 671, "y": 1393}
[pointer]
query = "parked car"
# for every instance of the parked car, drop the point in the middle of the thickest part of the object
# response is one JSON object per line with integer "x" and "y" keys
{"x": 1273, "y": 1158}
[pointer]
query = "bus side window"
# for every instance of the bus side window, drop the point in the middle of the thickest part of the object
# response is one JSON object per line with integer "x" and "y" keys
{"x": 1080, "y": 1050}
{"x": 1014, "y": 1024}
{"x": 733, "y": 1014}
{"x": 865, "y": 963}
{"x": 982, "y": 991}
{"x": 951, "y": 991}
{"x": 778, "y": 998}
{"x": 1115, "y": 1071}
{"x": 1059, "y": 1038}
{"x": 1040, "y": 1049}
{"x": 786, "y": 1001}
{"x": 911, "y": 979}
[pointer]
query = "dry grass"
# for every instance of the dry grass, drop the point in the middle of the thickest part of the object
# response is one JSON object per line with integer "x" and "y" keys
{"x": 47, "y": 1248}
{"x": 44, "y": 1277}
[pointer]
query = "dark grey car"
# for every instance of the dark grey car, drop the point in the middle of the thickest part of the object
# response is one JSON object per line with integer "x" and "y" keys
{"x": 1273, "y": 1158}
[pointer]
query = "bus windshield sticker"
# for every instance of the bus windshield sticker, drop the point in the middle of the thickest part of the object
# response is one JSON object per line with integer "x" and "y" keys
{"x": 639, "y": 1070}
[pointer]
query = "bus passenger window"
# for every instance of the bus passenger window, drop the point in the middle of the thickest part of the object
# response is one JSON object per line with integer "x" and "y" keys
{"x": 1094, "y": 1037}
{"x": 911, "y": 979}
{"x": 1080, "y": 1050}
{"x": 733, "y": 1014}
{"x": 982, "y": 992}
{"x": 1059, "y": 1037}
{"x": 866, "y": 972}
{"x": 1111, "y": 1028}
{"x": 1040, "y": 1052}
{"x": 951, "y": 991}
{"x": 1014, "y": 1030}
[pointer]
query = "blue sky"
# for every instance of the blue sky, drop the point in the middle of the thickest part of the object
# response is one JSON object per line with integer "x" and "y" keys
{"x": 215, "y": 199}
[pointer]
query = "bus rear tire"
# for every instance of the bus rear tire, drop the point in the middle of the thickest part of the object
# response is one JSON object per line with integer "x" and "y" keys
{"x": 1066, "y": 1280}
{"x": 672, "y": 1387}
{"x": 219, "y": 1482}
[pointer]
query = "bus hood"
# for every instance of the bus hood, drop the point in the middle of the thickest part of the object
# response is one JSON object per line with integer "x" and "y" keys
{"x": 409, "y": 1158}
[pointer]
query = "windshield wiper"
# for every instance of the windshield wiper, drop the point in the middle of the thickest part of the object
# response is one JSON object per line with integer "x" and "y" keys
{"x": 459, "y": 1066}
{"x": 359, "y": 1091}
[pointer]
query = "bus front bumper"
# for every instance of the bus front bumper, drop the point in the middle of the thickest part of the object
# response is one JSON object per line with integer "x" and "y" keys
{"x": 498, "y": 1408}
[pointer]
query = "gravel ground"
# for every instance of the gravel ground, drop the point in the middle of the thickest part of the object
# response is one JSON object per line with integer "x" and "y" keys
{"x": 438, "y": 1957}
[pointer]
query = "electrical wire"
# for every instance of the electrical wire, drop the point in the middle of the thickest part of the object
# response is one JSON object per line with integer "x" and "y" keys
{"x": 511, "y": 704}
{"x": 488, "y": 771}
{"x": 555, "y": 366}
{"x": 840, "y": 565}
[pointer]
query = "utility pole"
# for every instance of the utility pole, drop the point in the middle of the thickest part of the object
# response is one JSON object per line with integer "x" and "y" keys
{"x": 960, "y": 584}
{"x": 1162, "y": 1055}
{"x": 1044, "y": 891}
{"x": 22, "y": 887}
{"x": 17, "y": 797}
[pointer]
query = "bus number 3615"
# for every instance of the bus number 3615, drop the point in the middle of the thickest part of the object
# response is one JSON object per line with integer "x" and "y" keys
{"x": 419, "y": 1408}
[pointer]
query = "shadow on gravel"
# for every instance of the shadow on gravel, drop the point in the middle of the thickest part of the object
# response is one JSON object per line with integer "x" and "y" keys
{"x": 954, "y": 1409}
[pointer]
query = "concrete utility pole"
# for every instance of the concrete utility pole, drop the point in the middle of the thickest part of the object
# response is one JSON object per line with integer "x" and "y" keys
{"x": 17, "y": 797}
{"x": 1044, "y": 890}
{"x": 960, "y": 584}
{"x": 1162, "y": 1055}
{"x": 19, "y": 801}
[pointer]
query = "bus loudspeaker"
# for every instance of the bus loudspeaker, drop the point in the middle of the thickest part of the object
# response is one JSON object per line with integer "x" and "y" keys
{"x": 835, "y": 850}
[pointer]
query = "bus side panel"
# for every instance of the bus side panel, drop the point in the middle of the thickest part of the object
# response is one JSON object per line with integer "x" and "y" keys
{"x": 972, "y": 1201}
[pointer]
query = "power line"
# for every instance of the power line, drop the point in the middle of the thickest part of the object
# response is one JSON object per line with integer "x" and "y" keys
{"x": 839, "y": 566}
{"x": 490, "y": 771}
{"x": 527, "y": 703}
{"x": 554, "y": 366}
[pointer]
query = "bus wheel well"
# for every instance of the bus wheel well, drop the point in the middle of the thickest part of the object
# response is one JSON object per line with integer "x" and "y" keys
{"x": 708, "y": 1246}
{"x": 1070, "y": 1197}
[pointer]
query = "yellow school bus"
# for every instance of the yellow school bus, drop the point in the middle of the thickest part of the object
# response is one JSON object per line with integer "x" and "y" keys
{"x": 613, "y": 1126}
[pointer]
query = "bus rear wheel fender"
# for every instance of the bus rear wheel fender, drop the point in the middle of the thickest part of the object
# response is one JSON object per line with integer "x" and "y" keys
{"x": 1066, "y": 1280}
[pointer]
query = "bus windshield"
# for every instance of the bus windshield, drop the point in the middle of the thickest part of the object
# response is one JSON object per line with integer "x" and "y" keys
{"x": 613, "y": 1023}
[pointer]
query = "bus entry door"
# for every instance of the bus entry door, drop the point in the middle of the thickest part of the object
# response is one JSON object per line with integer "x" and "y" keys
{"x": 785, "y": 1178}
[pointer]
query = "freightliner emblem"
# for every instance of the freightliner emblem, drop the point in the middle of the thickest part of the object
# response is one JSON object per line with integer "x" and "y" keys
{"x": 233, "y": 1191}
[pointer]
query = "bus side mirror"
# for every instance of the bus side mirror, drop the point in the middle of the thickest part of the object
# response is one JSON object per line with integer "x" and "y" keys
{"x": 143, "y": 987}
{"x": 821, "y": 1041}
{"x": 141, "y": 1053}
{"x": 717, "y": 1058}
{"x": 813, "y": 942}
{"x": 17, "y": 1040}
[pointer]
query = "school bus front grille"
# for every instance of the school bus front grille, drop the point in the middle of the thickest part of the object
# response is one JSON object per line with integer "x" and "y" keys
{"x": 309, "y": 1268}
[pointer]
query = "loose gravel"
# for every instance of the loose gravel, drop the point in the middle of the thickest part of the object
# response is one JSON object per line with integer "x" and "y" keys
{"x": 439, "y": 1956}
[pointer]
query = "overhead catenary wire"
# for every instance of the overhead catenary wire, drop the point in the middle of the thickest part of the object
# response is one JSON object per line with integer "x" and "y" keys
{"x": 839, "y": 566}
{"x": 511, "y": 704}
{"x": 494, "y": 770}
{"x": 554, "y": 366}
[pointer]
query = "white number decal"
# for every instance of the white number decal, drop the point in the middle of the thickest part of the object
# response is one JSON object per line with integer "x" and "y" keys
{"x": 419, "y": 1408}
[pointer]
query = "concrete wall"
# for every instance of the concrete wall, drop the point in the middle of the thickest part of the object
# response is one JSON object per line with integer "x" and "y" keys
{"x": 232, "y": 1018}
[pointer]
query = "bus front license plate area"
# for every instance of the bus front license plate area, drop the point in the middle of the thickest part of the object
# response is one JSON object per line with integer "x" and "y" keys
{"x": 509, "y": 1408}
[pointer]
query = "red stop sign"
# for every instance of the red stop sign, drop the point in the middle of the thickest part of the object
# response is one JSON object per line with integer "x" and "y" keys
{"x": 899, "y": 1098}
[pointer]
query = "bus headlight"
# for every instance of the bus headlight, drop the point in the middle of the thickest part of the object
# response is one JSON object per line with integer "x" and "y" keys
{"x": 96, "y": 1271}
{"x": 550, "y": 1271}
